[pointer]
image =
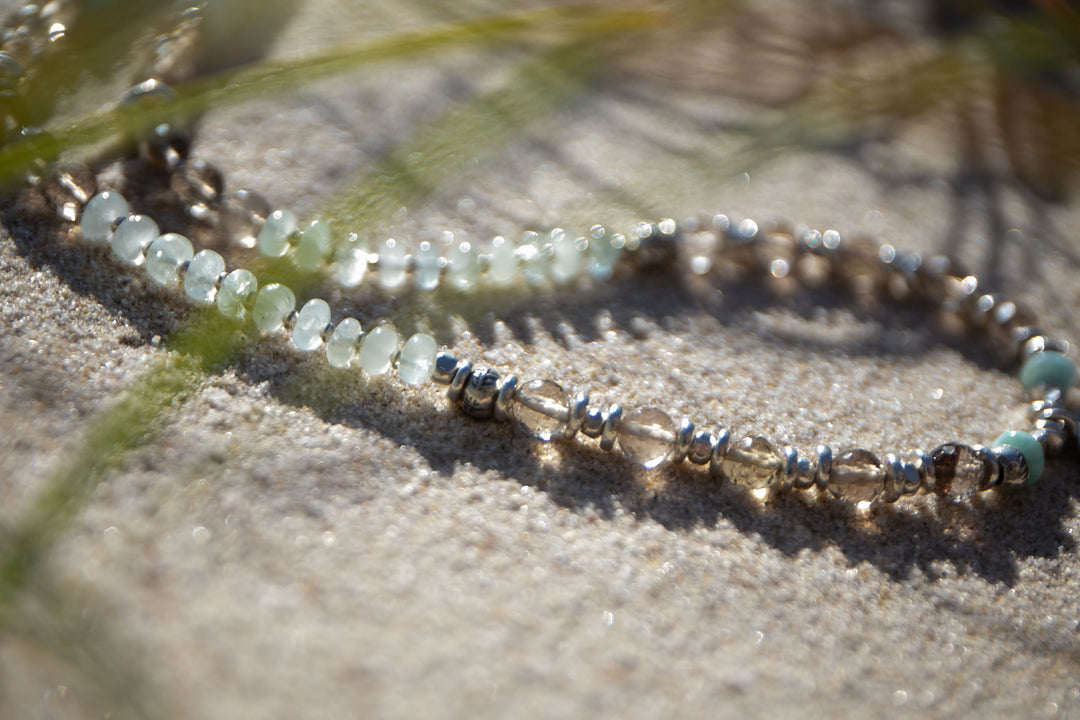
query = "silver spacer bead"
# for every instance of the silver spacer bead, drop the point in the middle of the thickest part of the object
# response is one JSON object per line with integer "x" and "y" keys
{"x": 1012, "y": 466}
{"x": 445, "y": 367}
{"x": 480, "y": 393}
{"x": 683, "y": 440}
{"x": 894, "y": 478}
{"x": 824, "y": 466}
{"x": 721, "y": 443}
{"x": 924, "y": 465}
{"x": 912, "y": 481}
{"x": 612, "y": 418}
{"x": 1042, "y": 343}
{"x": 289, "y": 321}
{"x": 579, "y": 409}
{"x": 806, "y": 475}
{"x": 461, "y": 378}
{"x": 1063, "y": 417}
{"x": 327, "y": 332}
{"x": 593, "y": 426}
{"x": 791, "y": 468}
{"x": 701, "y": 447}
{"x": 507, "y": 389}
{"x": 1050, "y": 435}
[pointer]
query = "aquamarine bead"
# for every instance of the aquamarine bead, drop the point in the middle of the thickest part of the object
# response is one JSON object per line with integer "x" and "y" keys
{"x": 1029, "y": 447}
{"x": 272, "y": 304}
{"x": 236, "y": 290}
{"x": 604, "y": 251}
{"x": 310, "y": 322}
{"x": 312, "y": 246}
{"x": 200, "y": 282}
{"x": 165, "y": 256}
{"x": 534, "y": 256}
{"x": 100, "y": 213}
{"x": 391, "y": 264}
{"x": 503, "y": 269}
{"x": 341, "y": 347}
{"x": 377, "y": 350}
{"x": 464, "y": 266}
{"x": 273, "y": 238}
{"x": 1050, "y": 368}
{"x": 417, "y": 362}
{"x": 133, "y": 235}
{"x": 351, "y": 261}
{"x": 428, "y": 271}
{"x": 567, "y": 256}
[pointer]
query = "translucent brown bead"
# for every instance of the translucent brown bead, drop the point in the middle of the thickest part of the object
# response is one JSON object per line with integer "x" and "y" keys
{"x": 647, "y": 436}
{"x": 857, "y": 475}
{"x": 754, "y": 463}
{"x": 961, "y": 471}
{"x": 541, "y": 409}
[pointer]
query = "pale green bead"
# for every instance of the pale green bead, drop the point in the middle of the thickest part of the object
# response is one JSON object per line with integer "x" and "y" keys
{"x": 312, "y": 246}
{"x": 200, "y": 282}
{"x": 377, "y": 350}
{"x": 1050, "y": 368}
{"x": 535, "y": 257}
{"x": 341, "y": 347}
{"x": 428, "y": 269}
{"x": 165, "y": 256}
{"x": 604, "y": 251}
{"x": 503, "y": 270}
{"x": 417, "y": 362}
{"x": 310, "y": 322}
{"x": 272, "y": 304}
{"x": 236, "y": 290}
{"x": 464, "y": 266}
{"x": 567, "y": 257}
{"x": 133, "y": 235}
{"x": 351, "y": 261}
{"x": 1030, "y": 448}
{"x": 274, "y": 236}
{"x": 391, "y": 264}
{"x": 100, "y": 213}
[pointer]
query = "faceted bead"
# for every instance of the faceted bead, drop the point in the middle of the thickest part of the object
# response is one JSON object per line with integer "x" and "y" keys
{"x": 857, "y": 475}
{"x": 377, "y": 350}
{"x": 132, "y": 236}
{"x": 341, "y": 347}
{"x": 464, "y": 266}
{"x": 647, "y": 436}
{"x": 100, "y": 213}
{"x": 754, "y": 463}
{"x": 428, "y": 271}
{"x": 1029, "y": 447}
{"x": 312, "y": 246}
{"x": 1050, "y": 368}
{"x": 567, "y": 256}
{"x": 417, "y": 362}
{"x": 272, "y": 304}
{"x": 503, "y": 269}
{"x": 961, "y": 471}
{"x": 310, "y": 322}
{"x": 392, "y": 264}
{"x": 236, "y": 290}
{"x": 165, "y": 256}
{"x": 351, "y": 261}
{"x": 200, "y": 282}
{"x": 541, "y": 409}
{"x": 274, "y": 236}
{"x": 604, "y": 249}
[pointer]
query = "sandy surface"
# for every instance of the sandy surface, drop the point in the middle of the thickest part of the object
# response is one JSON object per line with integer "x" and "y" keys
{"x": 293, "y": 541}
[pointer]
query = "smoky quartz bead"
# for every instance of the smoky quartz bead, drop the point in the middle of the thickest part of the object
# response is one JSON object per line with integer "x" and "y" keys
{"x": 541, "y": 408}
{"x": 961, "y": 470}
{"x": 754, "y": 463}
{"x": 647, "y": 436}
{"x": 857, "y": 476}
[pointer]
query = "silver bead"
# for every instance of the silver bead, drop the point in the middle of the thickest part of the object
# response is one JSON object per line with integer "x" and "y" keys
{"x": 701, "y": 447}
{"x": 481, "y": 390}
{"x": 610, "y": 431}
{"x": 924, "y": 465}
{"x": 721, "y": 443}
{"x": 593, "y": 426}
{"x": 824, "y": 466}
{"x": 1012, "y": 466}
{"x": 790, "y": 469}
{"x": 461, "y": 378}
{"x": 445, "y": 368}
{"x": 912, "y": 480}
{"x": 1042, "y": 343}
{"x": 1050, "y": 435}
{"x": 684, "y": 438}
{"x": 579, "y": 409}
{"x": 327, "y": 332}
{"x": 507, "y": 388}
{"x": 1063, "y": 417}
{"x": 289, "y": 322}
{"x": 894, "y": 479}
{"x": 805, "y": 475}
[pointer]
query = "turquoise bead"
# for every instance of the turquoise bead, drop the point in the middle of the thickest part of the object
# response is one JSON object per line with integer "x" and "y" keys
{"x": 1049, "y": 368}
{"x": 1029, "y": 447}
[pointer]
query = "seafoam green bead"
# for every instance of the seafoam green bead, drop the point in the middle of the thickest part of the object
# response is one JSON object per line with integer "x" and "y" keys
{"x": 377, "y": 350}
{"x": 133, "y": 235}
{"x": 392, "y": 264}
{"x": 1029, "y": 447}
{"x": 200, "y": 282}
{"x": 567, "y": 256}
{"x": 310, "y": 322}
{"x": 428, "y": 271}
{"x": 273, "y": 238}
{"x": 351, "y": 261}
{"x": 341, "y": 347}
{"x": 604, "y": 251}
{"x": 534, "y": 256}
{"x": 236, "y": 290}
{"x": 464, "y": 266}
{"x": 503, "y": 269}
{"x": 165, "y": 256}
{"x": 312, "y": 246}
{"x": 1049, "y": 368}
{"x": 417, "y": 362}
{"x": 272, "y": 304}
{"x": 100, "y": 213}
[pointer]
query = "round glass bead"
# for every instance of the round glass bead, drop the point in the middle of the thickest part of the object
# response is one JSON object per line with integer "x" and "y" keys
{"x": 392, "y": 264}
{"x": 200, "y": 282}
{"x": 1029, "y": 447}
{"x": 427, "y": 266}
{"x": 165, "y": 256}
{"x": 503, "y": 269}
{"x": 236, "y": 290}
{"x": 310, "y": 323}
{"x": 341, "y": 347}
{"x": 273, "y": 238}
{"x": 857, "y": 476}
{"x": 960, "y": 470}
{"x": 1050, "y": 368}
{"x": 541, "y": 409}
{"x": 567, "y": 256}
{"x": 272, "y": 304}
{"x": 464, "y": 266}
{"x": 377, "y": 350}
{"x": 312, "y": 246}
{"x": 647, "y": 436}
{"x": 351, "y": 262}
{"x": 417, "y": 362}
{"x": 100, "y": 213}
{"x": 132, "y": 236}
{"x": 754, "y": 463}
